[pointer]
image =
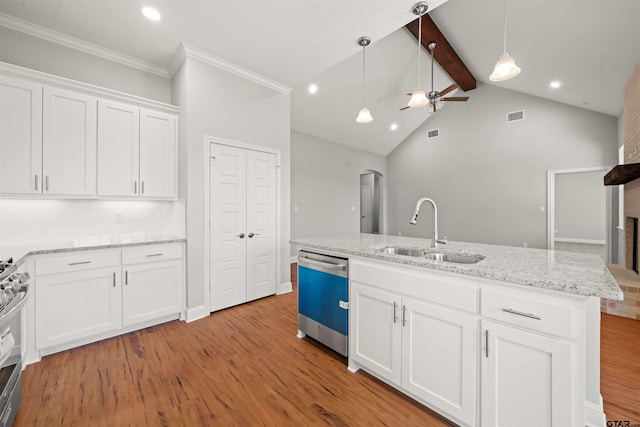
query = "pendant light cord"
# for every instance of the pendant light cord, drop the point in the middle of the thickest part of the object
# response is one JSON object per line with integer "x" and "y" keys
{"x": 505, "y": 26}
{"x": 364, "y": 50}
{"x": 419, "y": 45}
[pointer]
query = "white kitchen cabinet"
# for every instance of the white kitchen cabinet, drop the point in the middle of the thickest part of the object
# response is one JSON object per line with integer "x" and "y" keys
{"x": 77, "y": 296}
{"x": 20, "y": 136}
{"x": 158, "y": 155}
{"x": 153, "y": 282}
{"x": 424, "y": 349}
{"x": 242, "y": 219}
{"x": 375, "y": 331}
{"x": 81, "y": 297}
{"x": 526, "y": 379}
{"x": 68, "y": 143}
{"x": 118, "y": 149}
{"x": 439, "y": 357}
{"x": 136, "y": 152}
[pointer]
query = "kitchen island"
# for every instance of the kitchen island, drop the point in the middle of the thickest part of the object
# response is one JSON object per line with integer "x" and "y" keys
{"x": 513, "y": 339}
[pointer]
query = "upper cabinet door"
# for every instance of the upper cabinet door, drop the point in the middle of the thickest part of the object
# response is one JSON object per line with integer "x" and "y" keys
{"x": 157, "y": 154}
{"x": 118, "y": 149}
{"x": 20, "y": 136}
{"x": 69, "y": 143}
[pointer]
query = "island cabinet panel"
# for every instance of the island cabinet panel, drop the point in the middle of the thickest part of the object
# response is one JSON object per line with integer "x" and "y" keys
{"x": 376, "y": 330}
{"x": 526, "y": 379}
{"x": 439, "y": 357}
{"x": 425, "y": 349}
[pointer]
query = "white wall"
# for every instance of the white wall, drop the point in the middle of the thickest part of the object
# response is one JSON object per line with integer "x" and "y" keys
{"x": 488, "y": 177}
{"x": 42, "y": 55}
{"x": 216, "y": 103}
{"x": 580, "y": 202}
{"x": 325, "y": 185}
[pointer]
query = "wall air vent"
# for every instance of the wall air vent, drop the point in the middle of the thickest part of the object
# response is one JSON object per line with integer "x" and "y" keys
{"x": 433, "y": 133}
{"x": 515, "y": 116}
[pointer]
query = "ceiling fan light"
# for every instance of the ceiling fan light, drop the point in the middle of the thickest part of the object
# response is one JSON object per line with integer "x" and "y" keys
{"x": 505, "y": 69}
{"x": 418, "y": 98}
{"x": 364, "y": 116}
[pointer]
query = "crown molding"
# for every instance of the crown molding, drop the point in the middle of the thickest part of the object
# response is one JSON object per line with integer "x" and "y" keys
{"x": 186, "y": 51}
{"x": 47, "y": 34}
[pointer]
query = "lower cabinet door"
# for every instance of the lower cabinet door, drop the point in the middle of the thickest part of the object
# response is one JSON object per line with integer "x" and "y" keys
{"x": 375, "y": 331}
{"x": 526, "y": 379}
{"x": 151, "y": 290}
{"x": 73, "y": 306}
{"x": 439, "y": 358}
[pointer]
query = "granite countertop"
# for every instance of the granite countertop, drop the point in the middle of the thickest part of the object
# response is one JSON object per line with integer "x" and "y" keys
{"x": 577, "y": 273}
{"x": 22, "y": 251}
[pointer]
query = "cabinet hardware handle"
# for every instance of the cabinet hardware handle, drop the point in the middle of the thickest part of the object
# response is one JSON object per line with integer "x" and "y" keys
{"x": 114, "y": 280}
{"x": 142, "y": 187}
{"x": 395, "y": 315}
{"x": 135, "y": 187}
{"x": 241, "y": 235}
{"x": 46, "y": 183}
{"x": 126, "y": 277}
{"x": 520, "y": 313}
{"x": 253, "y": 234}
{"x": 486, "y": 348}
{"x": 154, "y": 255}
{"x": 404, "y": 315}
{"x": 36, "y": 181}
{"x": 80, "y": 263}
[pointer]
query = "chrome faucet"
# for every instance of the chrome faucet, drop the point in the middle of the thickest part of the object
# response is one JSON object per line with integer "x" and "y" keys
{"x": 414, "y": 219}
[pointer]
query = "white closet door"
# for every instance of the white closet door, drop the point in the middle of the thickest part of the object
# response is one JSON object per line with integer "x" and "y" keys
{"x": 228, "y": 217}
{"x": 261, "y": 224}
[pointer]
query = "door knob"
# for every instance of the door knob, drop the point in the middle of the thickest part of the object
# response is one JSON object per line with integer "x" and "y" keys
{"x": 241, "y": 235}
{"x": 253, "y": 234}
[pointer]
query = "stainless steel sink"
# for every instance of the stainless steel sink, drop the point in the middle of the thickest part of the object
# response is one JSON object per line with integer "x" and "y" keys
{"x": 457, "y": 258}
{"x": 404, "y": 251}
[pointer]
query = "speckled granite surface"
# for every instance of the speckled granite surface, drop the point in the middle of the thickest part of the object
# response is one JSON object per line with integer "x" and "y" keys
{"x": 583, "y": 274}
{"x": 20, "y": 252}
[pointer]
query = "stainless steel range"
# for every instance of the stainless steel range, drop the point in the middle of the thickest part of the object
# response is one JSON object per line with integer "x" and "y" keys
{"x": 13, "y": 296}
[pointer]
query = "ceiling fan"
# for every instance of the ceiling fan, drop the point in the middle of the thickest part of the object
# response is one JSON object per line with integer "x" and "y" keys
{"x": 437, "y": 97}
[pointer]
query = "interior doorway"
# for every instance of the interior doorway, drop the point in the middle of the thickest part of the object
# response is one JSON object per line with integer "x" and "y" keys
{"x": 579, "y": 211}
{"x": 371, "y": 202}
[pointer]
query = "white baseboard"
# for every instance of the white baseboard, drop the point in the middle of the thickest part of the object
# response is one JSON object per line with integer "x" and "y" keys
{"x": 284, "y": 288}
{"x": 594, "y": 414}
{"x": 587, "y": 241}
{"x": 196, "y": 313}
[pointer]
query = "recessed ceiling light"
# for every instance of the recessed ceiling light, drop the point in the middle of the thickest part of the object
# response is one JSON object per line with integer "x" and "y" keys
{"x": 554, "y": 84}
{"x": 313, "y": 88}
{"x": 151, "y": 13}
{"x": 394, "y": 126}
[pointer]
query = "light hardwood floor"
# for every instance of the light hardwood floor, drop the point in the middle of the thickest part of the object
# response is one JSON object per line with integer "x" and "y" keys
{"x": 244, "y": 366}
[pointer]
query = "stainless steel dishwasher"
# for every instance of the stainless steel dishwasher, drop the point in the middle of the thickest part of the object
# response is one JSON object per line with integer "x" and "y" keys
{"x": 323, "y": 299}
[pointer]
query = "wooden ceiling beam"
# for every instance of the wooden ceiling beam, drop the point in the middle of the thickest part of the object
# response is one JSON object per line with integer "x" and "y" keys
{"x": 443, "y": 54}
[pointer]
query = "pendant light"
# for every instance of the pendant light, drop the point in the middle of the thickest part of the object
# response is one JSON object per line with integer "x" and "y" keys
{"x": 364, "y": 116}
{"x": 418, "y": 97}
{"x": 506, "y": 67}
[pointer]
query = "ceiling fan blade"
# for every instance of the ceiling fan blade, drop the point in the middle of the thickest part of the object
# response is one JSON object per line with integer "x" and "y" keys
{"x": 455, "y": 98}
{"x": 449, "y": 89}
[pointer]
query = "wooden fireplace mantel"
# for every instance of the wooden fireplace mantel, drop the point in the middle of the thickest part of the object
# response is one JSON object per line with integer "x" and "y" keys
{"x": 622, "y": 174}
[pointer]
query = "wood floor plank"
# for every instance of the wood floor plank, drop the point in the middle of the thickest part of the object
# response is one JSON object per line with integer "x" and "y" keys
{"x": 244, "y": 366}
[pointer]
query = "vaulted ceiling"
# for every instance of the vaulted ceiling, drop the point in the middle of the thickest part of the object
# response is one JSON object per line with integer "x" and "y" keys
{"x": 588, "y": 45}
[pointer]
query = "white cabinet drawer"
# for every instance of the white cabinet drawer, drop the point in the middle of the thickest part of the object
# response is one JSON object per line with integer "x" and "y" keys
{"x": 77, "y": 261}
{"x": 543, "y": 316}
{"x": 151, "y": 253}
